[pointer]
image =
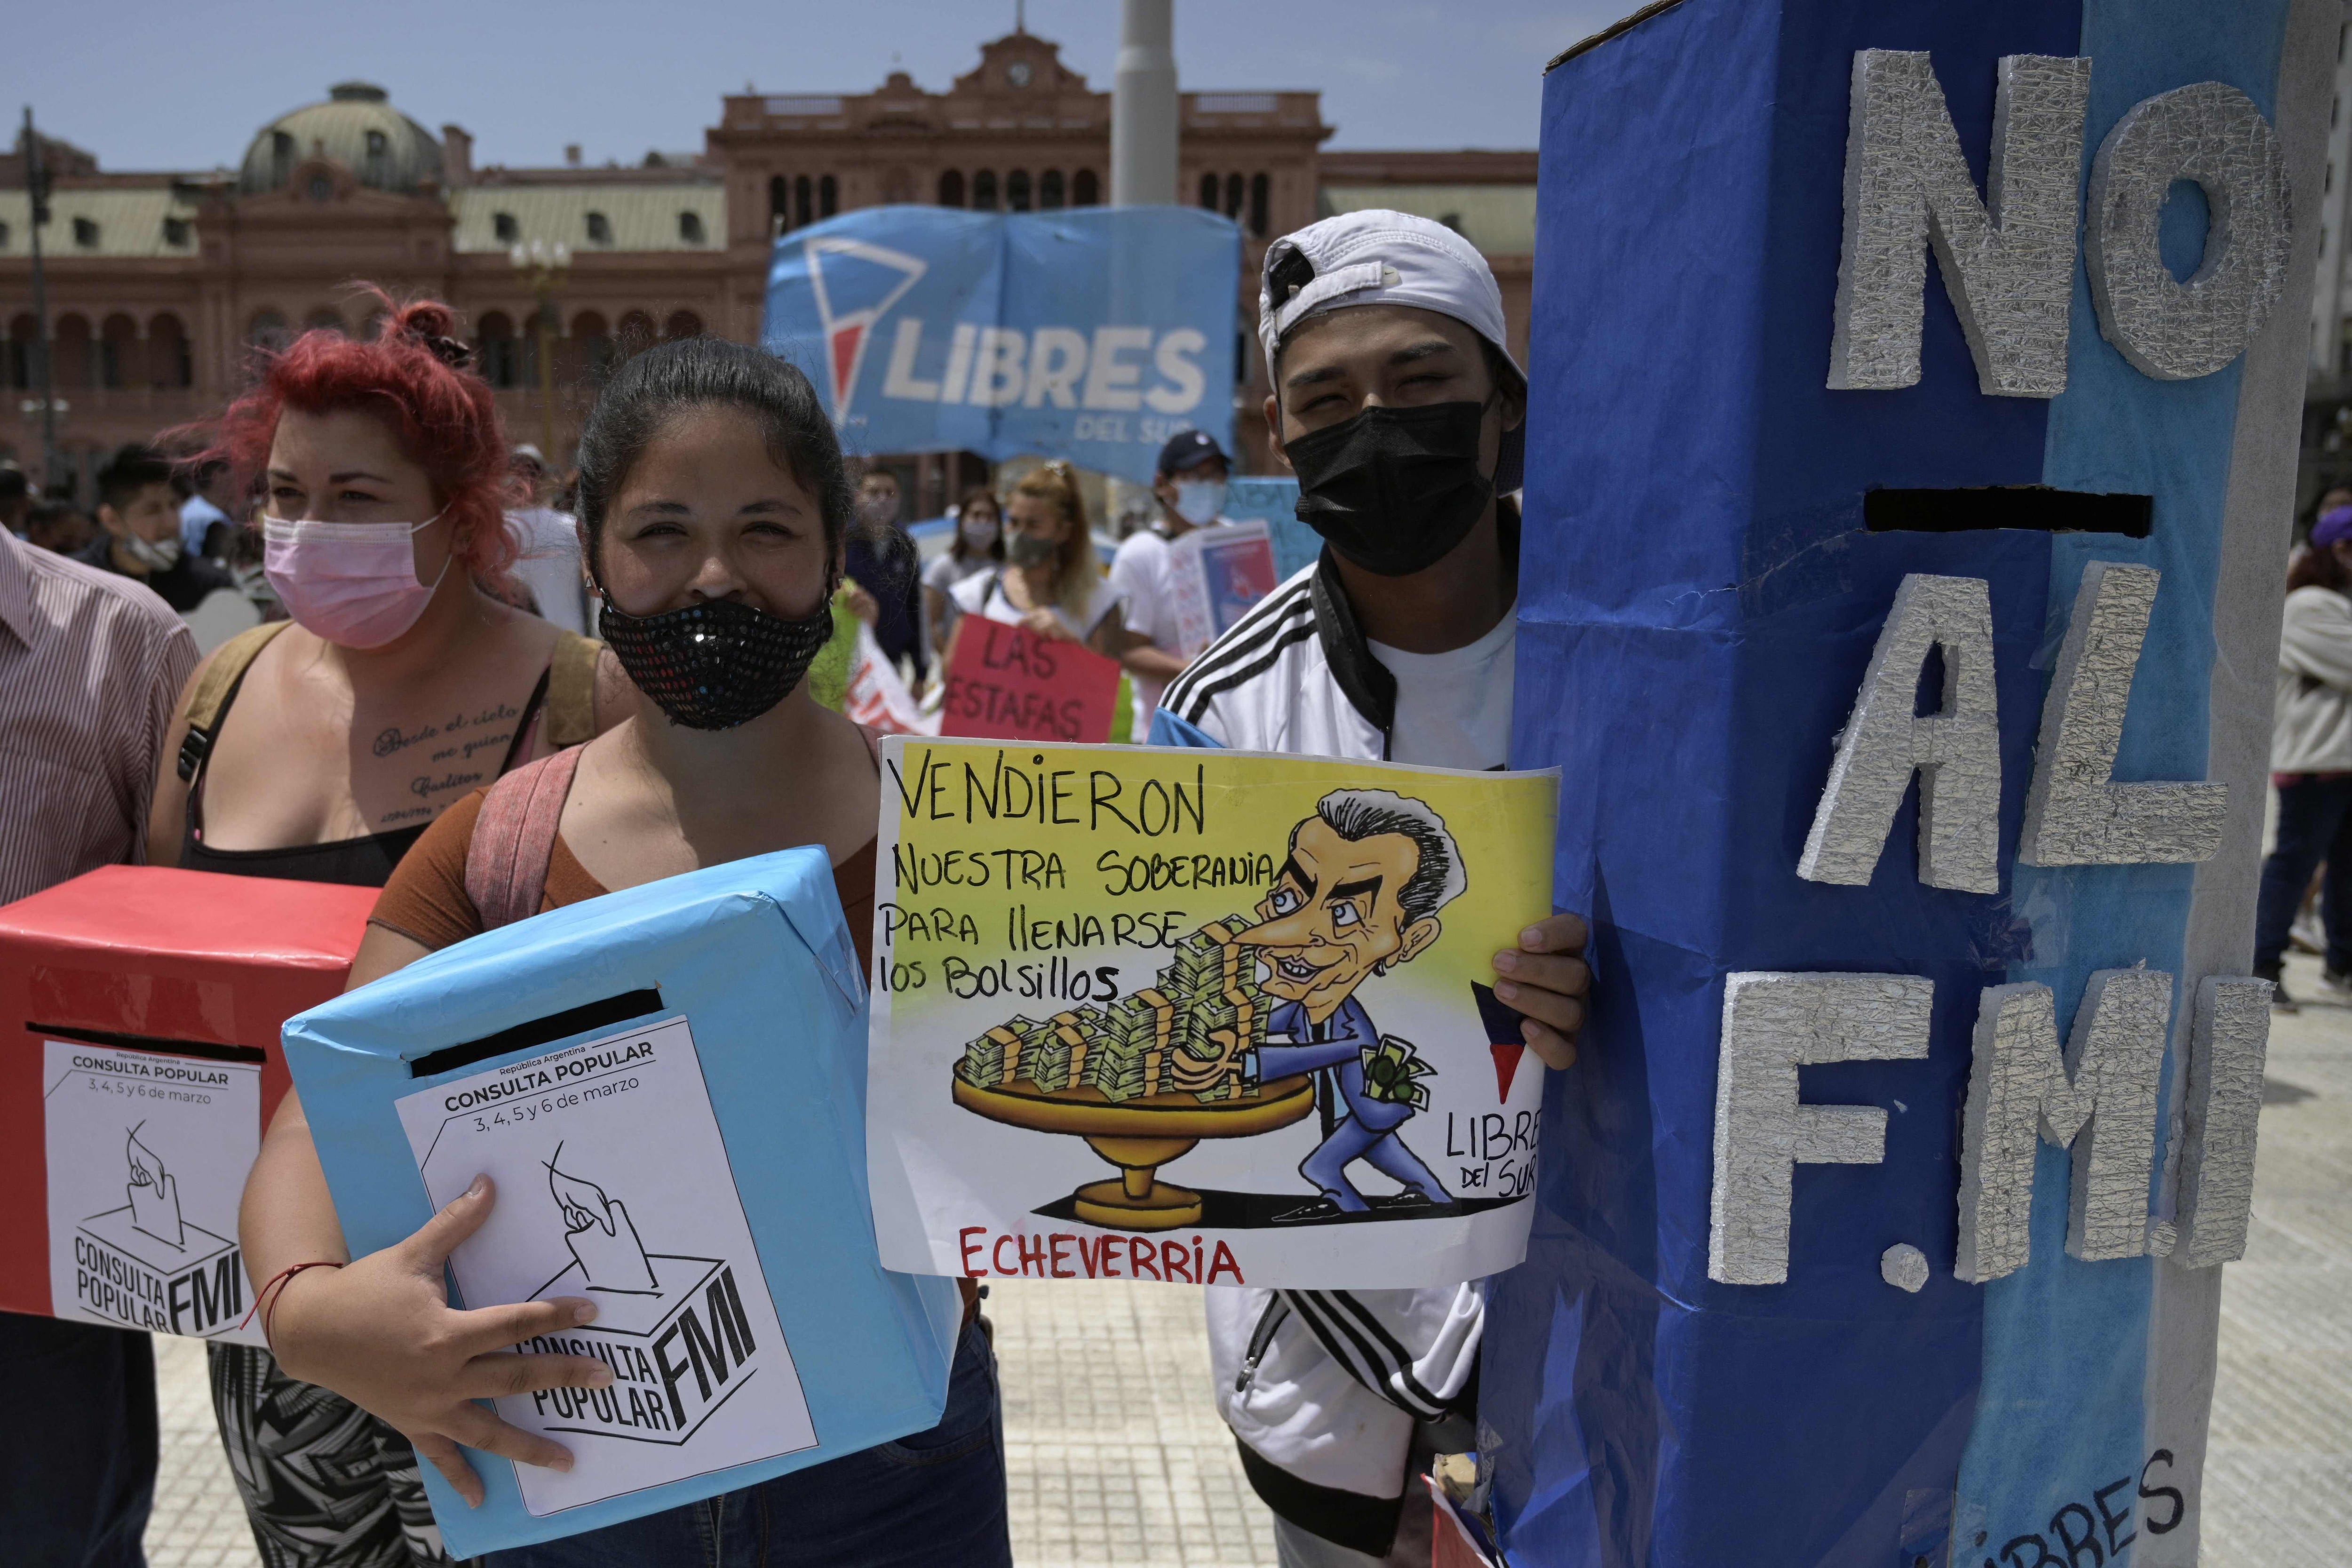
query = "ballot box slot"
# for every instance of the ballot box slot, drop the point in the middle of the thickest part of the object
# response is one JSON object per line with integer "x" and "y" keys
{"x": 203, "y": 1050}
{"x": 541, "y": 1031}
{"x": 2041, "y": 508}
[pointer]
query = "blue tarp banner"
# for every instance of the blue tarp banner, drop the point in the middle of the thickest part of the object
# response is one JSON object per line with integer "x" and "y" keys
{"x": 1092, "y": 335}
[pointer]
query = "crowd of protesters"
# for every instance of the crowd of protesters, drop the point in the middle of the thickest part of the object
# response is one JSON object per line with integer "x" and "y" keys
{"x": 400, "y": 560}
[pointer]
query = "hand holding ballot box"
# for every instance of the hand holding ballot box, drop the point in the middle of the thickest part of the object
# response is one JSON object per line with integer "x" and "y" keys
{"x": 666, "y": 1085}
{"x": 143, "y": 1004}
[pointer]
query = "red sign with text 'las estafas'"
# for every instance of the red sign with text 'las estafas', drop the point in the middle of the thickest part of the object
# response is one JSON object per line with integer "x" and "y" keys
{"x": 1006, "y": 683}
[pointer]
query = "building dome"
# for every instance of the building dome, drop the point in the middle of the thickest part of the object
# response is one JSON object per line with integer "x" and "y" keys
{"x": 358, "y": 128}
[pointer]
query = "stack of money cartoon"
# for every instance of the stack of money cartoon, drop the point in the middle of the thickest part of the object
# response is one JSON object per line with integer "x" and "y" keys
{"x": 1063, "y": 1048}
{"x": 1213, "y": 982}
{"x": 1168, "y": 1038}
{"x": 1130, "y": 1055}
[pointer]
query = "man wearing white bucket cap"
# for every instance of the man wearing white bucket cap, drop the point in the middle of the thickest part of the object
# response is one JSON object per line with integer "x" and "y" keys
{"x": 1400, "y": 409}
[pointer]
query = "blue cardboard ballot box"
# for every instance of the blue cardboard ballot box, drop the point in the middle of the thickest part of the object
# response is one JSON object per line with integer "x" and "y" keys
{"x": 667, "y": 1085}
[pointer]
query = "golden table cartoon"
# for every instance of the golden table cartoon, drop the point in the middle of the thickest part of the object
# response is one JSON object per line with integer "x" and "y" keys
{"x": 1139, "y": 1136}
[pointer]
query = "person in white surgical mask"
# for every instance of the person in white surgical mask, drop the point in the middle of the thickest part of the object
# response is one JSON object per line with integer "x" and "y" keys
{"x": 1190, "y": 485}
{"x": 140, "y": 512}
{"x": 979, "y": 547}
{"x": 321, "y": 748}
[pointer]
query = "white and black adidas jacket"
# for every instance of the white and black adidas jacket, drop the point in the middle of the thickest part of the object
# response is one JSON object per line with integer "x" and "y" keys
{"x": 1322, "y": 1387}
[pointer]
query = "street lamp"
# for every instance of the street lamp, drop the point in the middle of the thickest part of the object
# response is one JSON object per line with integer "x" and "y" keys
{"x": 543, "y": 266}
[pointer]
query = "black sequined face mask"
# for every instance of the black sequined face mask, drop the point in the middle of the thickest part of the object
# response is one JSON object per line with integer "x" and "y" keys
{"x": 716, "y": 664}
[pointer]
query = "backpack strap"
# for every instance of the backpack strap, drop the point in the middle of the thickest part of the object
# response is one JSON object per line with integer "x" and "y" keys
{"x": 211, "y": 697}
{"x": 569, "y": 716}
{"x": 514, "y": 839}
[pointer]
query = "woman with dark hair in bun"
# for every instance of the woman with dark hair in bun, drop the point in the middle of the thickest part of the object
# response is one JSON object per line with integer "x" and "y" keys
{"x": 715, "y": 505}
{"x": 323, "y": 747}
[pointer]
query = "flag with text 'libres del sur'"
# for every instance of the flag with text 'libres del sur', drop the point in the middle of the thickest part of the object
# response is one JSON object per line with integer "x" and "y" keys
{"x": 1092, "y": 334}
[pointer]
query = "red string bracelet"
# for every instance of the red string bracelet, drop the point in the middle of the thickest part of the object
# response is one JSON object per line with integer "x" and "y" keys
{"x": 278, "y": 1282}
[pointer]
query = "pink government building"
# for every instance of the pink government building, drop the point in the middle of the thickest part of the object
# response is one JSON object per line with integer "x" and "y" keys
{"x": 159, "y": 282}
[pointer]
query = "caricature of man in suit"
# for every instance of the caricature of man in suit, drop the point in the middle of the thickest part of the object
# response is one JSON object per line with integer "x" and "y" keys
{"x": 1358, "y": 895}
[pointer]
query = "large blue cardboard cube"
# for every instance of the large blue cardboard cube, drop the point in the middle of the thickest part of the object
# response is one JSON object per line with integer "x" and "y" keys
{"x": 1910, "y": 380}
{"x": 668, "y": 1085}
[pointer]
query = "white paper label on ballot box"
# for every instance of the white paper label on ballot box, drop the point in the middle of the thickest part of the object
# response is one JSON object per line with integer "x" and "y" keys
{"x": 613, "y": 1185}
{"x": 147, "y": 1156}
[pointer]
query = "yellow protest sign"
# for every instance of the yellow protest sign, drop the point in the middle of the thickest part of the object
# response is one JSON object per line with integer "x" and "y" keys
{"x": 1221, "y": 1018}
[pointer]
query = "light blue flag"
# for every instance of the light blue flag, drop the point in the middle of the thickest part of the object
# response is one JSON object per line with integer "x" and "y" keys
{"x": 1092, "y": 334}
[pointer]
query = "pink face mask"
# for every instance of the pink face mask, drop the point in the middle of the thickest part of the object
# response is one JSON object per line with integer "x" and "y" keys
{"x": 353, "y": 583}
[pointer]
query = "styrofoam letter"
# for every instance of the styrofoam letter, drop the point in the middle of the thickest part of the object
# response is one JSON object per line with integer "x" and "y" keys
{"x": 1774, "y": 1024}
{"x": 2229, "y": 1038}
{"x": 1956, "y": 751}
{"x": 2213, "y": 134}
{"x": 2074, "y": 813}
{"x": 2100, "y": 1097}
{"x": 2008, "y": 259}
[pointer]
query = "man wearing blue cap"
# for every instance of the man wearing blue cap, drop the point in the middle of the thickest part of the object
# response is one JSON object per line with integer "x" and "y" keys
{"x": 1189, "y": 484}
{"x": 1397, "y": 403}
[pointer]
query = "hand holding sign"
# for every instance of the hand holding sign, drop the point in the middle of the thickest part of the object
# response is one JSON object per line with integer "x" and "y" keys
{"x": 1007, "y": 683}
{"x": 381, "y": 1332}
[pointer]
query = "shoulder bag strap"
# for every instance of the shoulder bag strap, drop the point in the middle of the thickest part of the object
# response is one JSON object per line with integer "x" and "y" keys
{"x": 210, "y": 697}
{"x": 570, "y": 717}
{"x": 514, "y": 839}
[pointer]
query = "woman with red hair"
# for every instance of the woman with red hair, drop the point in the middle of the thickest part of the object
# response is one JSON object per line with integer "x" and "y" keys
{"x": 323, "y": 747}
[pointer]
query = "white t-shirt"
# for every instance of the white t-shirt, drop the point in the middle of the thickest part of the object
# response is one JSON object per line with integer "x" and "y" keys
{"x": 943, "y": 573}
{"x": 198, "y": 516}
{"x": 1454, "y": 709}
{"x": 982, "y": 594}
{"x": 1138, "y": 578}
{"x": 549, "y": 565}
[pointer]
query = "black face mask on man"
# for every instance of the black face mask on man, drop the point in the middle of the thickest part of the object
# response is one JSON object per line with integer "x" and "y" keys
{"x": 1394, "y": 489}
{"x": 716, "y": 664}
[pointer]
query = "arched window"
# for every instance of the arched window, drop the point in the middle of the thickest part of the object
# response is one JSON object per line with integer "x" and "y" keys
{"x": 1085, "y": 191}
{"x": 494, "y": 342}
{"x": 506, "y": 228}
{"x": 1016, "y": 191}
{"x": 1233, "y": 195}
{"x": 118, "y": 353}
{"x": 828, "y": 197}
{"x": 600, "y": 229}
{"x": 24, "y": 353}
{"x": 780, "y": 204}
{"x": 984, "y": 190}
{"x": 1209, "y": 192}
{"x": 85, "y": 232}
{"x": 169, "y": 362}
{"x": 1049, "y": 190}
{"x": 378, "y": 153}
{"x": 803, "y": 212}
{"x": 1261, "y": 190}
{"x": 177, "y": 232}
{"x": 267, "y": 330}
{"x": 74, "y": 349}
{"x": 595, "y": 341}
{"x": 281, "y": 157}
{"x": 682, "y": 324}
{"x": 951, "y": 188}
{"x": 689, "y": 227}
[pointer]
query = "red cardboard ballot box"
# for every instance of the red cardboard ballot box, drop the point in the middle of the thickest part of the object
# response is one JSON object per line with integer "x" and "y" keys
{"x": 139, "y": 1062}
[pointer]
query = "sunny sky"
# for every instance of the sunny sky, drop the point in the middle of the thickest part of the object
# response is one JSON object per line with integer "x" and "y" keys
{"x": 148, "y": 84}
